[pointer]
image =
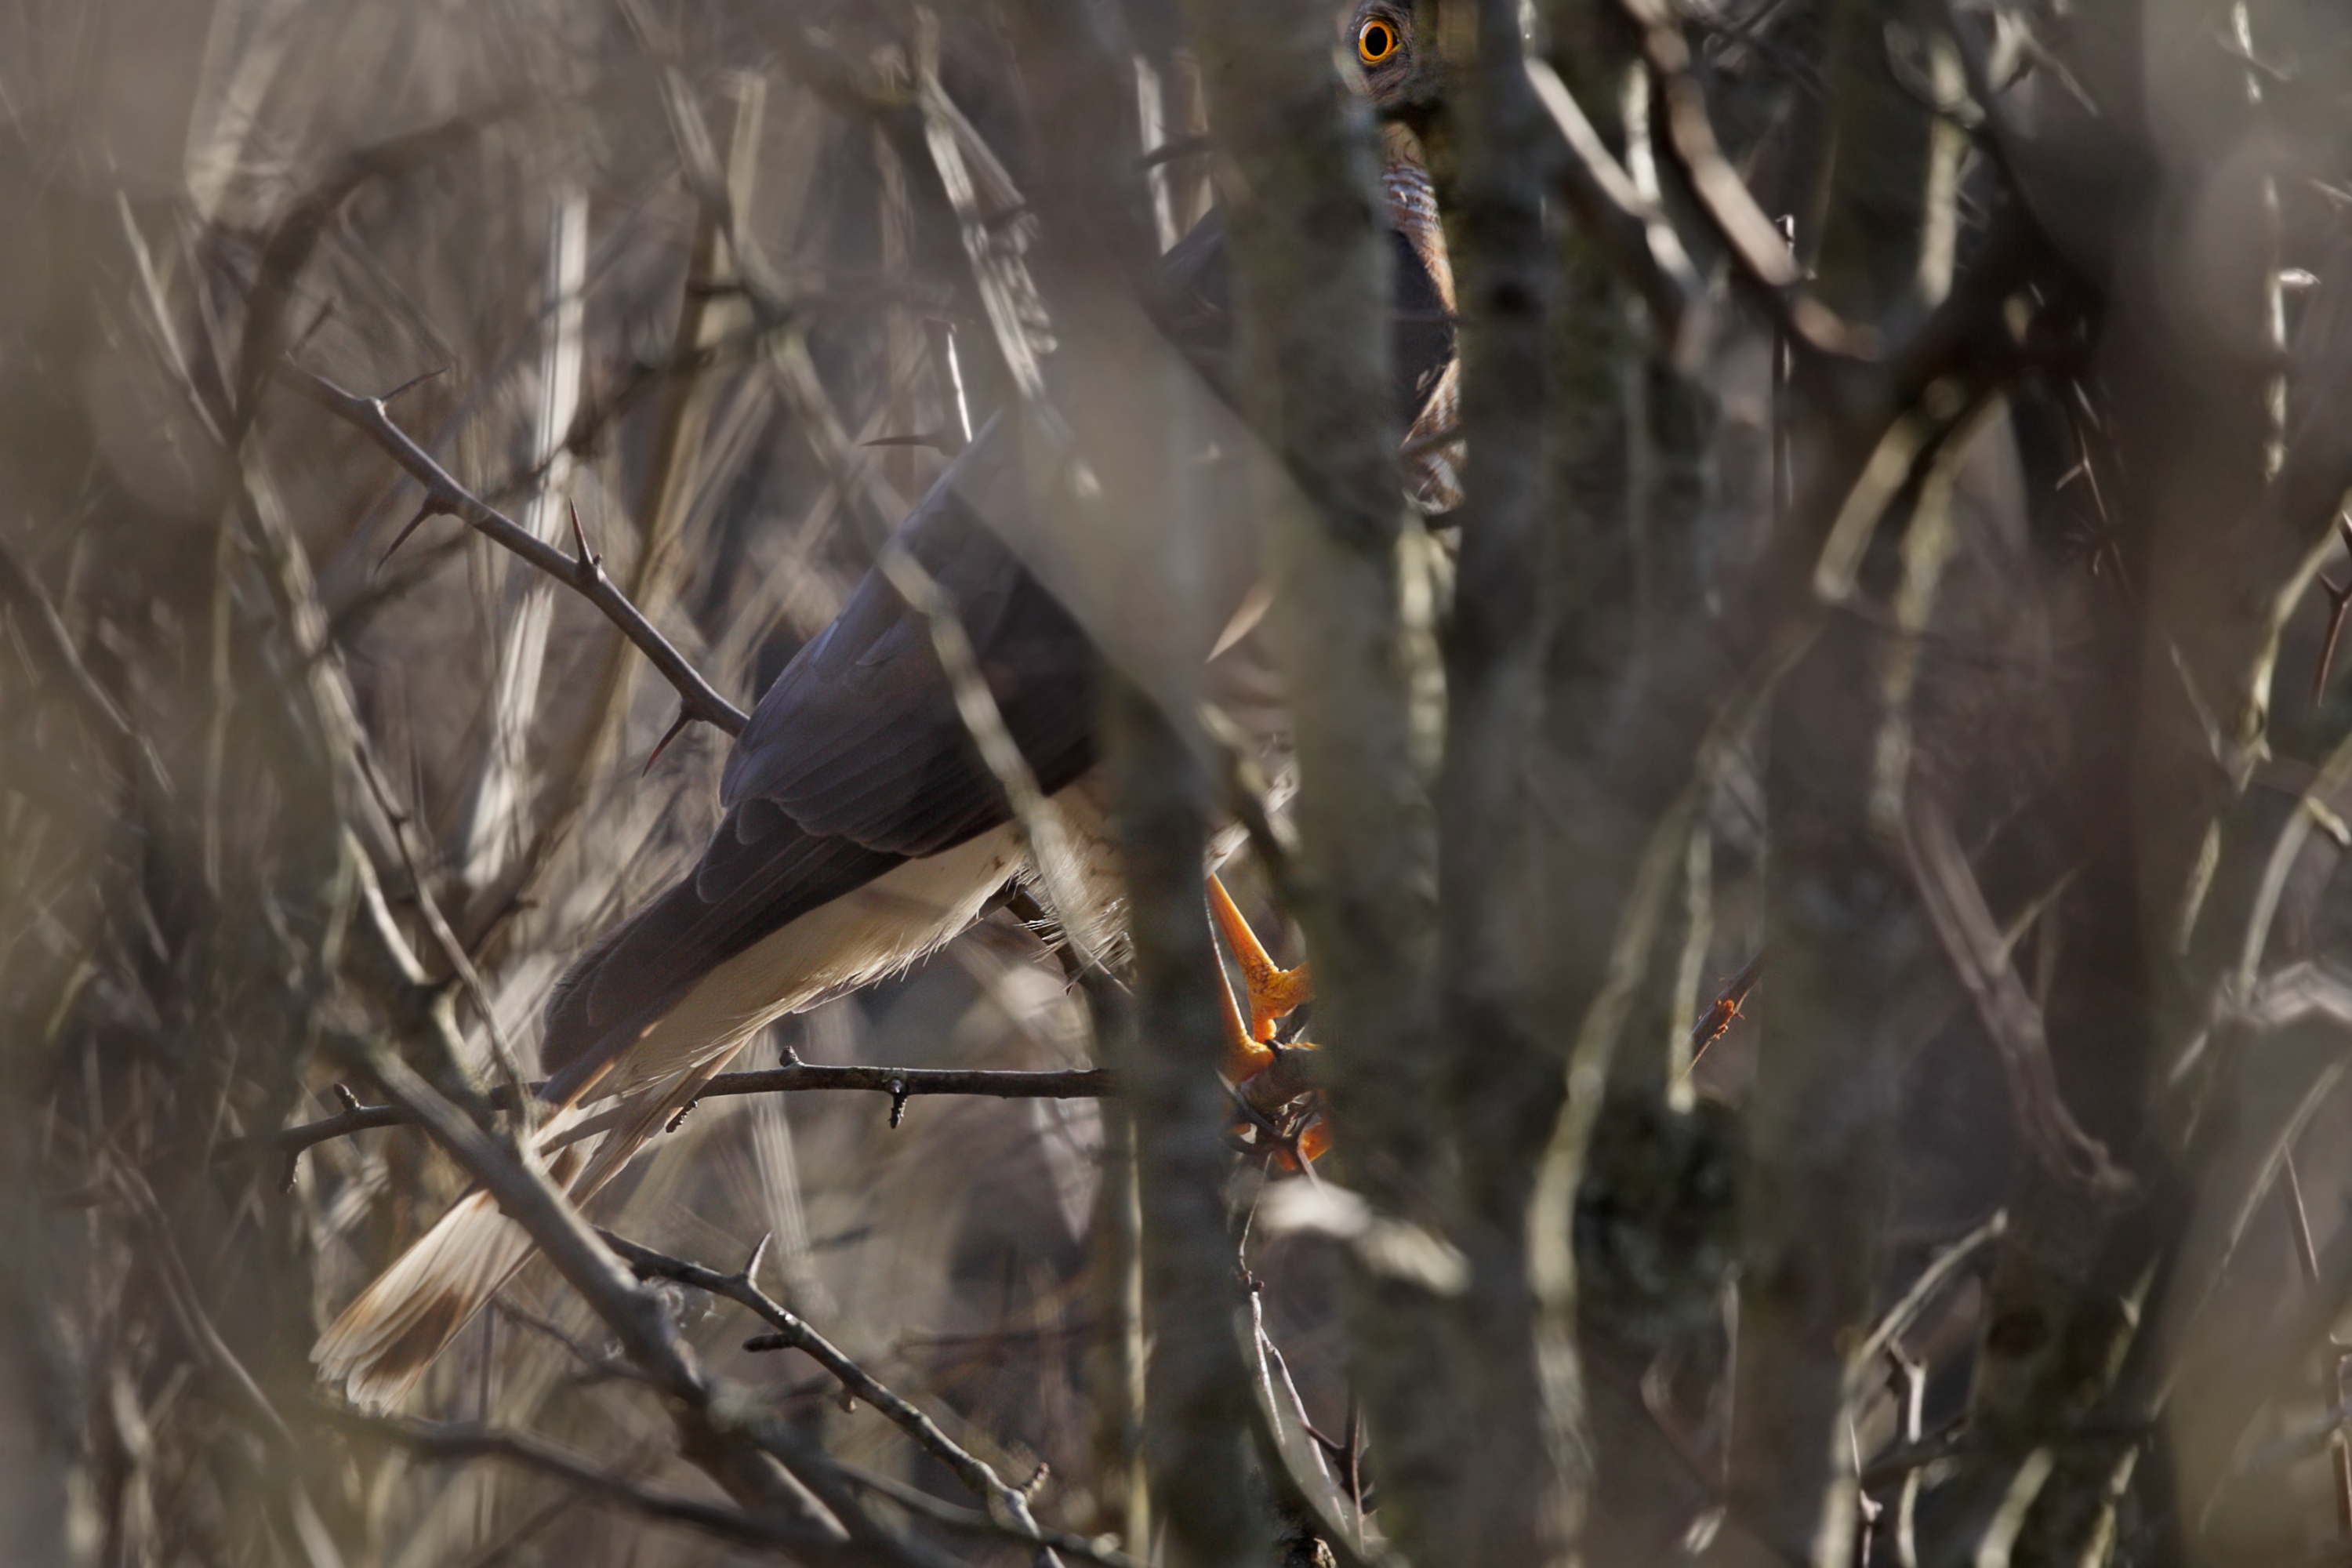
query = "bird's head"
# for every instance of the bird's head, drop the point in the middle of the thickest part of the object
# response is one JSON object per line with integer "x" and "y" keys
{"x": 1397, "y": 71}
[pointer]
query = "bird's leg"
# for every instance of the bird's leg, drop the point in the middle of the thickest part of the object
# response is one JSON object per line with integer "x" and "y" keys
{"x": 1245, "y": 1058}
{"x": 1274, "y": 992}
{"x": 1253, "y": 1063}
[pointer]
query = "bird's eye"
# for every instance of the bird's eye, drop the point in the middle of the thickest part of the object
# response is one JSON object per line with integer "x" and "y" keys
{"x": 1377, "y": 42}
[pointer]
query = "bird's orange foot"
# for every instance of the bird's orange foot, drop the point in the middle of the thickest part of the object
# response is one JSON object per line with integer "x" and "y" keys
{"x": 1274, "y": 992}
{"x": 1274, "y": 1087}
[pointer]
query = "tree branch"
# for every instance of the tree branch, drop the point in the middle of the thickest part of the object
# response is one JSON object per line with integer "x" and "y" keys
{"x": 1640, "y": 242}
{"x": 1972, "y": 940}
{"x": 756, "y": 1462}
{"x": 583, "y": 572}
{"x": 1758, "y": 253}
{"x": 448, "y": 1441}
{"x": 1005, "y": 1503}
{"x": 794, "y": 1077}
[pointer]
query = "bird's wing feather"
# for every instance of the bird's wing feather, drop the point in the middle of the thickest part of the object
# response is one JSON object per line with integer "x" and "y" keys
{"x": 854, "y": 760}
{"x": 857, "y": 758}
{"x": 860, "y": 736}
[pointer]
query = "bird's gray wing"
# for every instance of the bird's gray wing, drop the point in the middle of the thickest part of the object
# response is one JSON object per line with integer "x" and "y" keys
{"x": 854, "y": 760}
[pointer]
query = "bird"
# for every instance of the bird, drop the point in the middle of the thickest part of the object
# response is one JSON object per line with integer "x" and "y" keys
{"x": 862, "y": 829}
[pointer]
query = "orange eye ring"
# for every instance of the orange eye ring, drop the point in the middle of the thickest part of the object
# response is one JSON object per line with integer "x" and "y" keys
{"x": 1377, "y": 41}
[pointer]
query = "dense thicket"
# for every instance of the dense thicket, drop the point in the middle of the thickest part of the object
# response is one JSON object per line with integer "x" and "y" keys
{"x": 1904, "y": 450}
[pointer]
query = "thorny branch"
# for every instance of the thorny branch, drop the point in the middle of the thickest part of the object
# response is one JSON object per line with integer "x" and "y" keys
{"x": 1971, "y": 938}
{"x": 795, "y": 1077}
{"x": 1763, "y": 256}
{"x": 583, "y": 570}
{"x": 734, "y": 1451}
{"x": 1005, "y": 1503}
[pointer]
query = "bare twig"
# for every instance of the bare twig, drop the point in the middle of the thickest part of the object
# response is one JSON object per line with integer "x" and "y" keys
{"x": 1003, "y": 1501}
{"x": 1942, "y": 1271}
{"x": 1972, "y": 940}
{"x": 1908, "y": 1457}
{"x": 1716, "y": 1021}
{"x": 584, "y": 574}
{"x": 1103, "y": 1550}
{"x": 180, "y": 1289}
{"x": 2339, "y": 600}
{"x": 1762, "y": 257}
{"x": 733, "y": 1448}
{"x": 46, "y": 638}
{"x": 793, "y": 1077}
{"x": 1641, "y": 243}
{"x": 453, "y": 951}
{"x": 298, "y": 234}
{"x": 1298, "y": 1463}
{"x": 448, "y": 1441}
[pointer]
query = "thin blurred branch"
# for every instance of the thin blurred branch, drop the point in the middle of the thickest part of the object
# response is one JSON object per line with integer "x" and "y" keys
{"x": 1763, "y": 258}
{"x": 1890, "y": 1329}
{"x": 298, "y": 234}
{"x": 969, "y": 1522}
{"x": 1638, "y": 236}
{"x": 590, "y": 1481}
{"x": 1973, "y": 941}
{"x": 45, "y": 635}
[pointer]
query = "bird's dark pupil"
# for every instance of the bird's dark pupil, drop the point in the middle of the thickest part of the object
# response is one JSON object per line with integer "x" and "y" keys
{"x": 1379, "y": 42}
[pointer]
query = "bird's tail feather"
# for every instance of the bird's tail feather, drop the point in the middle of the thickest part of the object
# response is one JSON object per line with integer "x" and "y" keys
{"x": 389, "y": 1333}
{"x": 382, "y": 1343}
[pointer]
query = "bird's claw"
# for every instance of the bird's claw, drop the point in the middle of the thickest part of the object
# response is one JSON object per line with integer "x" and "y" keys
{"x": 1251, "y": 1051}
{"x": 1274, "y": 992}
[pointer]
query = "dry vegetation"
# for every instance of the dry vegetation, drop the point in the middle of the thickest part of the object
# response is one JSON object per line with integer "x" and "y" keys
{"x": 1942, "y": 614}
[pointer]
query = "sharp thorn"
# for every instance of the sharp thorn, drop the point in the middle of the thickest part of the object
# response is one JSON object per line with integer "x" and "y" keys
{"x": 419, "y": 379}
{"x": 677, "y": 728}
{"x": 428, "y": 509}
{"x": 752, "y": 1263}
{"x": 579, "y": 538}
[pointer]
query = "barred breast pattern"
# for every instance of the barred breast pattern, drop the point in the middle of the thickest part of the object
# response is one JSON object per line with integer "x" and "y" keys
{"x": 1432, "y": 454}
